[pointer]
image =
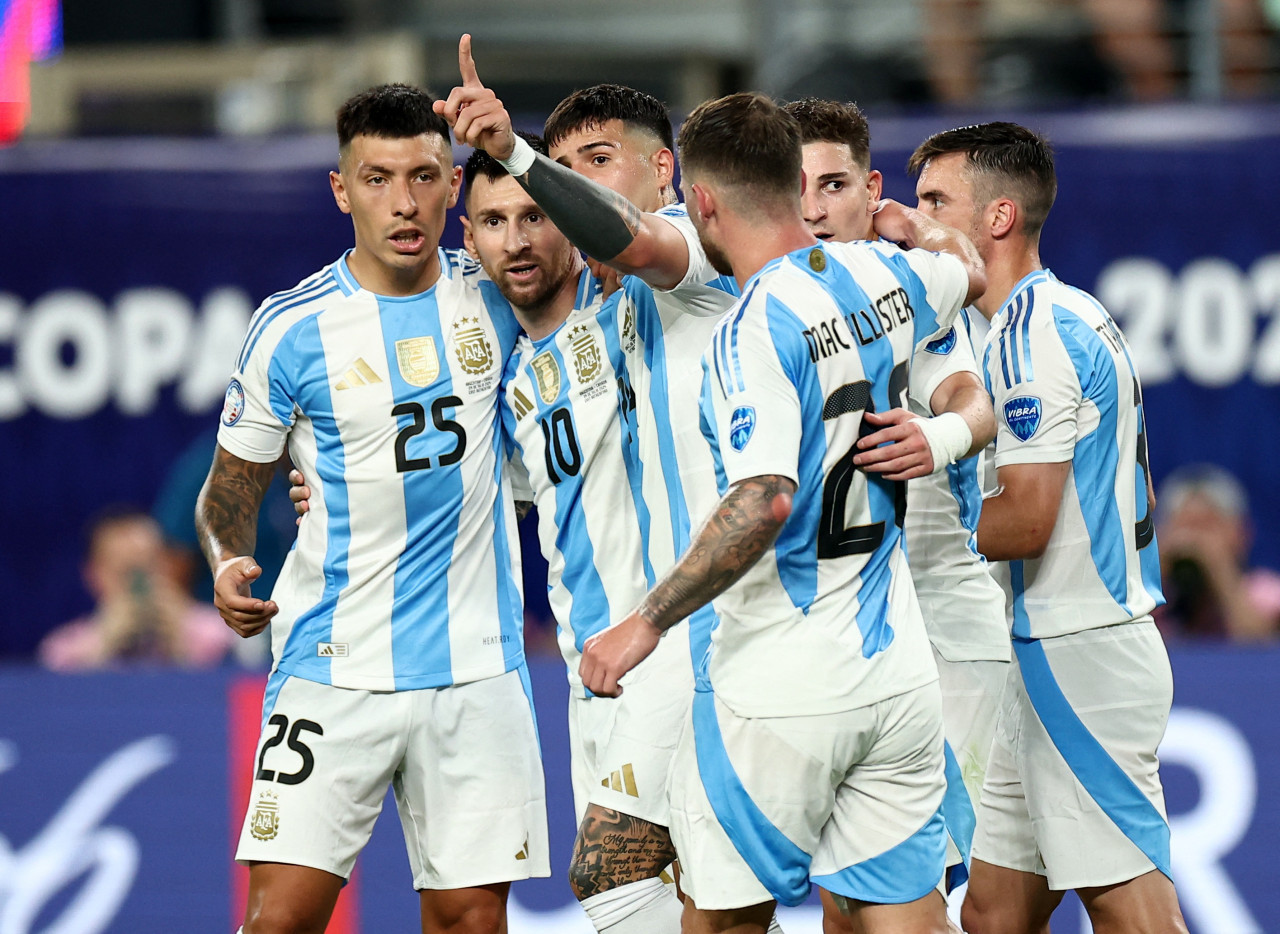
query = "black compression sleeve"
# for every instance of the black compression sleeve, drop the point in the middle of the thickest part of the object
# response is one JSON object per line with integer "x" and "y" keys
{"x": 598, "y": 221}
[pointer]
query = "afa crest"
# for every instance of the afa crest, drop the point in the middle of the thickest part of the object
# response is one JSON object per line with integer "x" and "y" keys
{"x": 471, "y": 343}
{"x": 265, "y": 822}
{"x": 586, "y": 354}
{"x": 1022, "y": 415}
{"x": 417, "y": 359}
{"x": 546, "y": 373}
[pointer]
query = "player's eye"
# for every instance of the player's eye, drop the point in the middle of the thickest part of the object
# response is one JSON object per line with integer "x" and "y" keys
{"x": 833, "y": 186}
{"x": 599, "y": 160}
{"x": 534, "y": 218}
{"x": 425, "y": 177}
{"x": 376, "y": 180}
{"x": 937, "y": 202}
{"x": 493, "y": 222}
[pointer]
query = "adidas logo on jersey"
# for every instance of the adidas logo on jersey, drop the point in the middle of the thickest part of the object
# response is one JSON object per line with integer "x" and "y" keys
{"x": 622, "y": 780}
{"x": 524, "y": 850}
{"x": 360, "y": 374}
{"x": 332, "y": 649}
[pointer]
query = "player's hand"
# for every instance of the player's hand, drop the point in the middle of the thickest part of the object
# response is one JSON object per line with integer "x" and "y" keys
{"x": 610, "y": 279}
{"x": 299, "y": 494}
{"x": 609, "y": 655}
{"x": 475, "y": 113}
{"x": 242, "y": 611}
{"x": 906, "y": 453}
{"x": 898, "y": 223}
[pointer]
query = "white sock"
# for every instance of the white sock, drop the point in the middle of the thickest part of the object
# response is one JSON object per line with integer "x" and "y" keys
{"x": 774, "y": 926}
{"x": 644, "y": 907}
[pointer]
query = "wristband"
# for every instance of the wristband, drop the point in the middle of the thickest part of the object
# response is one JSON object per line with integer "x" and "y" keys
{"x": 949, "y": 438}
{"x": 522, "y": 158}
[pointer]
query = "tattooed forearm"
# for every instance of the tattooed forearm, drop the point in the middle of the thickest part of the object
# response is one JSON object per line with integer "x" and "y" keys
{"x": 614, "y": 849}
{"x": 227, "y": 510}
{"x": 742, "y": 528}
{"x": 598, "y": 221}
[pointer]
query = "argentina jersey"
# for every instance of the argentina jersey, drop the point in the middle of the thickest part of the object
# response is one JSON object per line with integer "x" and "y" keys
{"x": 402, "y": 576}
{"x": 827, "y": 620}
{"x": 963, "y": 606}
{"x": 1066, "y": 390}
{"x": 564, "y": 396}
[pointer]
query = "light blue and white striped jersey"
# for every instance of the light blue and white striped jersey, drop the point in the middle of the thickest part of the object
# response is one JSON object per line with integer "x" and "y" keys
{"x": 963, "y": 605}
{"x": 406, "y": 571}
{"x": 827, "y": 620}
{"x": 1066, "y": 390}
{"x": 663, "y": 334}
{"x": 564, "y": 399}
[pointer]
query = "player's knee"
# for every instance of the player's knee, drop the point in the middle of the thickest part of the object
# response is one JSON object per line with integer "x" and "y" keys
{"x": 277, "y": 917}
{"x": 983, "y": 916}
{"x": 480, "y": 916}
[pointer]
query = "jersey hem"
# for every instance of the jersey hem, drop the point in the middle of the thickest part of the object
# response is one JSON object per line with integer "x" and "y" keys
{"x": 414, "y": 683}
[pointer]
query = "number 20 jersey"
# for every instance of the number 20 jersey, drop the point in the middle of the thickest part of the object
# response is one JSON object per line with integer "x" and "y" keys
{"x": 405, "y": 573}
{"x": 827, "y": 620}
{"x": 1066, "y": 390}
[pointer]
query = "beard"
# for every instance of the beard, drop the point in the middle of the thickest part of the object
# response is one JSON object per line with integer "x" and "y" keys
{"x": 715, "y": 256}
{"x": 532, "y": 296}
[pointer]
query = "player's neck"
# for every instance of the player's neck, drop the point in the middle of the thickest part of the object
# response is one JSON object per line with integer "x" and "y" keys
{"x": 1009, "y": 265}
{"x": 543, "y": 318}
{"x": 756, "y": 243}
{"x": 382, "y": 279}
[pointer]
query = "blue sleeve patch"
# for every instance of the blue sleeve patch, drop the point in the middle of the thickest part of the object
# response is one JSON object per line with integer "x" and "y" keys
{"x": 233, "y": 403}
{"x": 944, "y": 344}
{"x": 1022, "y": 415}
{"x": 741, "y": 425}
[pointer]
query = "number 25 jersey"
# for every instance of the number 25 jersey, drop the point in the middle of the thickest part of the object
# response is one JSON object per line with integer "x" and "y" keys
{"x": 402, "y": 575}
{"x": 827, "y": 620}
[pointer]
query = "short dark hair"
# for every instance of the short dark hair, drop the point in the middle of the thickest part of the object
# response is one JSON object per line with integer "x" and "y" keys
{"x": 823, "y": 121}
{"x": 481, "y": 163}
{"x": 744, "y": 141}
{"x": 1007, "y": 160}
{"x": 596, "y": 106}
{"x": 390, "y": 111}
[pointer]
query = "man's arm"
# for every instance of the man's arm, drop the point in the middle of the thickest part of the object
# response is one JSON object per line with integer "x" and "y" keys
{"x": 912, "y": 229}
{"x": 599, "y": 221}
{"x": 1017, "y": 521}
{"x": 741, "y": 529}
{"x": 918, "y": 446}
{"x": 227, "y": 526}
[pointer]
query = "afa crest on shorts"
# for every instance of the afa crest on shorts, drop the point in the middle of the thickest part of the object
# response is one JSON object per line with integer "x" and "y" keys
{"x": 942, "y": 345}
{"x": 742, "y": 424}
{"x": 1022, "y": 415}
{"x": 471, "y": 343}
{"x": 233, "y": 403}
{"x": 265, "y": 822}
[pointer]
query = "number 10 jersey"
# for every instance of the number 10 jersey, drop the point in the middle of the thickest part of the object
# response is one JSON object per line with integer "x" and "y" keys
{"x": 405, "y": 573}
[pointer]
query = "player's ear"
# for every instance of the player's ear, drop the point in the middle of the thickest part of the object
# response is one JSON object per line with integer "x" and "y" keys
{"x": 1002, "y": 215}
{"x": 468, "y": 237}
{"x": 455, "y": 185}
{"x": 664, "y": 166}
{"x": 704, "y": 200}
{"x": 875, "y": 185}
{"x": 339, "y": 192}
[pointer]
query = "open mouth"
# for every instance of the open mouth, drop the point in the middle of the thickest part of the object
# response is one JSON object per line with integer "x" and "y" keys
{"x": 407, "y": 240}
{"x": 522, "y": 272}
{"x": 824, "y": 235}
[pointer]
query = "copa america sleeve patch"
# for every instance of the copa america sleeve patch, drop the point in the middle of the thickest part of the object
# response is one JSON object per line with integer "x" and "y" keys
{"x": 1022, "y": 415}
{"x": 741, "y": 425}
{"x": 233, "y": 403}
{"x": 942, "y": 345}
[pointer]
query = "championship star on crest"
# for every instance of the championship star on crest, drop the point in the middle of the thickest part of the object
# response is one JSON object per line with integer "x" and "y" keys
{"x": 586, "y": 354}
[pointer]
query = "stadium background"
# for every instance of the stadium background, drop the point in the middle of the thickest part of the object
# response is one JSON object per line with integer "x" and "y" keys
{"x": 162, "y": 190}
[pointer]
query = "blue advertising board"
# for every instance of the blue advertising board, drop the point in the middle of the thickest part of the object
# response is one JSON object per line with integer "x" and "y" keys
{"x": 119, "y": 804}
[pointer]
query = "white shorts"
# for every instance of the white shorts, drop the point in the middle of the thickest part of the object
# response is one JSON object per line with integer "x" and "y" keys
{"x": 851, "y": 800}
{"x": 1073, "y": 785}
{"x": 971, "y": 692}
{"x": 463, "y": 760}
{"x": 620, "y": 749}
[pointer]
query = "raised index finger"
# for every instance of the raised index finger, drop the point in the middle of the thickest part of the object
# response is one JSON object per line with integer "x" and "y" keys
{"x": 467, "y": 64}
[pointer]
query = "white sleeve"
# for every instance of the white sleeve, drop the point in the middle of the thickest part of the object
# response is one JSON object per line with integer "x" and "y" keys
{"x": 518, "y": 475}
{"x": 936, "y": 361}
{"x": 702, "y": 290}
{"x": 946, "y": 285}
{"x": 751, "y": 401}
{"x": 1036, "y": 391}
{"x": 258, "y": 409}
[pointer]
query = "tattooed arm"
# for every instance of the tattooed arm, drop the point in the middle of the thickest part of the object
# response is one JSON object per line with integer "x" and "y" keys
{"x": 227, "y": 526}
{"x": 599, "y": 221}
{"x": 737, "y": 534}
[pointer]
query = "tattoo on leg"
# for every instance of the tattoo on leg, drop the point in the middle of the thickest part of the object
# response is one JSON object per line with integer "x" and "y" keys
{"x": 613, "y": 849}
